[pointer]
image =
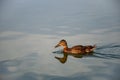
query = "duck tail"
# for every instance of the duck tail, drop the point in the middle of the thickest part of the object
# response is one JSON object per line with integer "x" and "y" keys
{"x": 94, "y": 46}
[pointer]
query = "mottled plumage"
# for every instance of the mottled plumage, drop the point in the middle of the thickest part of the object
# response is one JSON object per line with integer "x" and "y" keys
{"x": 78, "y": 49}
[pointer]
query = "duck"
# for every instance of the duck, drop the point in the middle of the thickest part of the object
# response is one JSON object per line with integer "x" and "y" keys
{"x": 77, "y": 49}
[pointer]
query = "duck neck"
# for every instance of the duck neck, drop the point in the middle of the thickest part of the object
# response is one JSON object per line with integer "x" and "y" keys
{"x": 65, "y": 47}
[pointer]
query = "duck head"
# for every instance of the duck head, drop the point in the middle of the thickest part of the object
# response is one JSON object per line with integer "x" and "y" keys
{"x": 62, "y": 43}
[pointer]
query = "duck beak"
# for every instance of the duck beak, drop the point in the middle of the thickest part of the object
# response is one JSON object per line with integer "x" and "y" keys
{"x": 57, "y": 45}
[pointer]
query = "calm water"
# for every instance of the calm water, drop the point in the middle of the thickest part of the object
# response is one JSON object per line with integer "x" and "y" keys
{"x": 29, "y": 30}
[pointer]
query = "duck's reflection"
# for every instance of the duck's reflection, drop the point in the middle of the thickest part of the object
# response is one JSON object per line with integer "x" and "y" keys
{"x": 62, "y": 59}
{"x": 65, "y": 56}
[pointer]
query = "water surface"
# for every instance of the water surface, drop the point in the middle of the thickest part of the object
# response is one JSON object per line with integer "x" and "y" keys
{"x": 29, "y": 30}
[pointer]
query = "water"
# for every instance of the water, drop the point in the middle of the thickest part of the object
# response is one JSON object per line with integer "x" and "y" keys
{"x": 29, "y": 30}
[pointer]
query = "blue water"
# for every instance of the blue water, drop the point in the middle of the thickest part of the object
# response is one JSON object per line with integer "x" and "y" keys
{"x": 29, "y": 30}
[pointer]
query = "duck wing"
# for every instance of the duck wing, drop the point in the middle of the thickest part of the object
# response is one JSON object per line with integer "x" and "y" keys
{"x": 90, "y": 46}
{"x": 78, "y": 47}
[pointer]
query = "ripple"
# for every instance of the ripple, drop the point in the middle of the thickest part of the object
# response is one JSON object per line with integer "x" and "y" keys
{"x": 106, "y": 56}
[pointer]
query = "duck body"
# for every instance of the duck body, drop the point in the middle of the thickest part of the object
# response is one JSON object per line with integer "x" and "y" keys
{"x": 75, "y": 49}
{"x": 78, "y": 49}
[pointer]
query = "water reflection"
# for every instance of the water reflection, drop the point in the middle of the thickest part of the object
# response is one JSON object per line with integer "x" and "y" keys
{"x": 93, "y": 54}
{"x": 63, "y": 59}
{"x": 65, "y": 56}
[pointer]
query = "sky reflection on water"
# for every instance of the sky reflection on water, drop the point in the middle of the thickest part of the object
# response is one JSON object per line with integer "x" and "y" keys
{"x": 29, "y": 30}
